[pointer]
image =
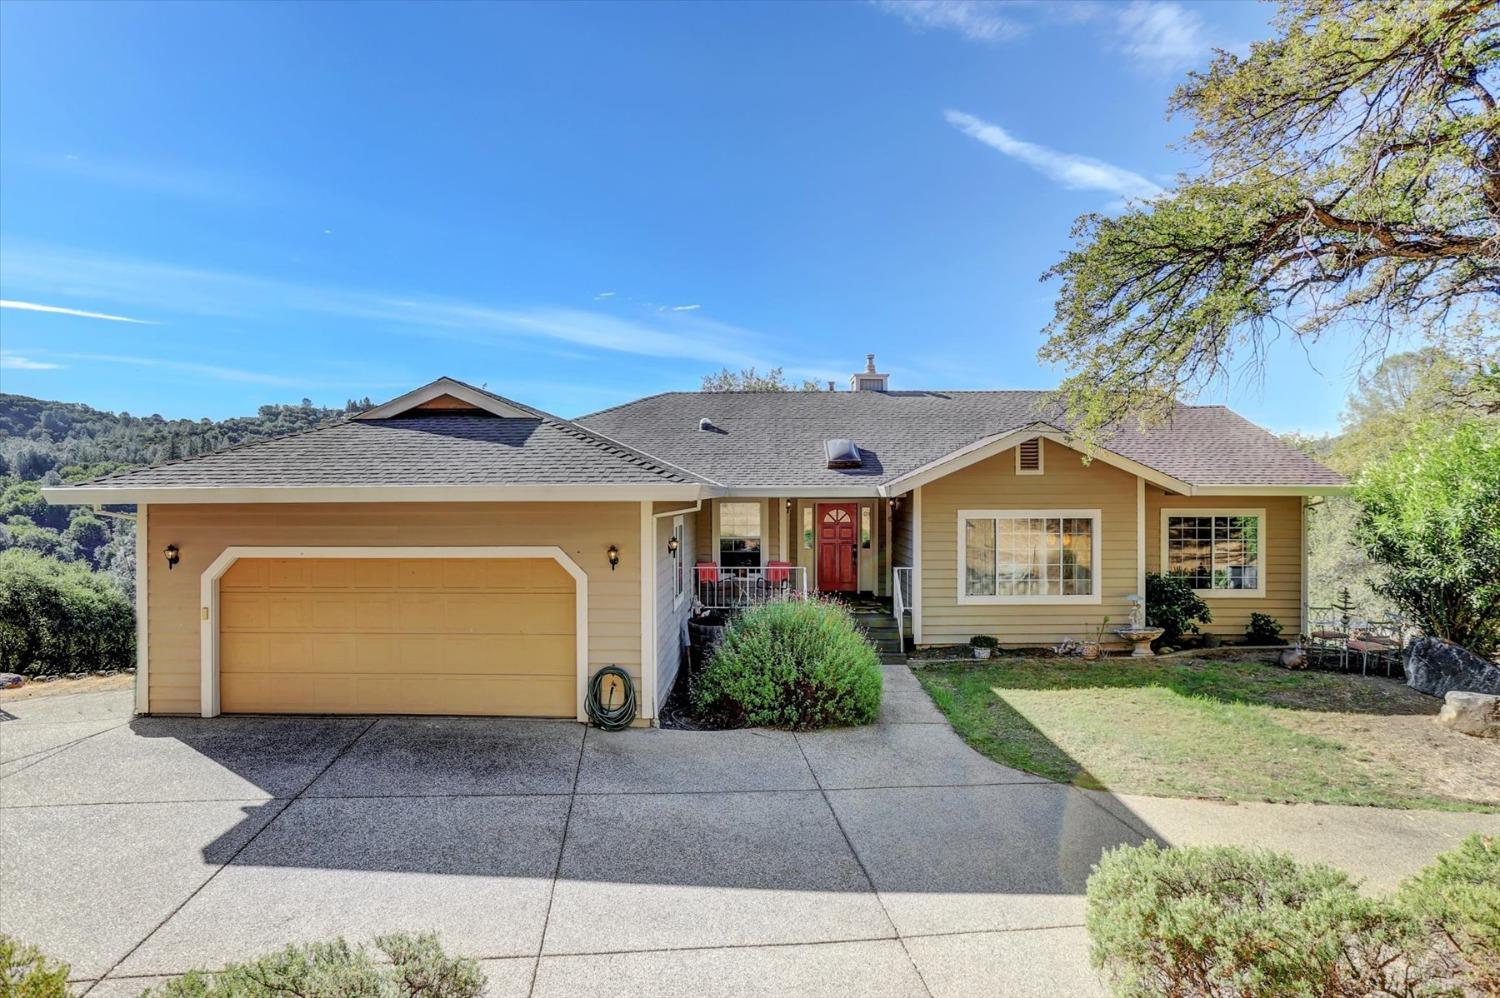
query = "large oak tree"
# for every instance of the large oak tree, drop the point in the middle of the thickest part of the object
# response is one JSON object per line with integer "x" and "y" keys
{"x": 1350, "y": 173}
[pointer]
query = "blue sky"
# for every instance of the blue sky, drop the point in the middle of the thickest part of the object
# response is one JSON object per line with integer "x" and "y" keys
{"x": 573, "y": 204}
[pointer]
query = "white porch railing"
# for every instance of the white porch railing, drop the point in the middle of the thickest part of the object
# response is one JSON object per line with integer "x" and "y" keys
{"x": 901, "y": 601}
{"x": 718, "y": 587}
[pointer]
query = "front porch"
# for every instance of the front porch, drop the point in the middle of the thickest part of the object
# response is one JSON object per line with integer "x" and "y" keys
{"x": 754, "y": 550}
{"x": 750, "y": 550}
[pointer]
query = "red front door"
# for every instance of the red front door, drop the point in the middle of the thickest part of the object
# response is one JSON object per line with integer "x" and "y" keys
{"x": 837, "y": 547}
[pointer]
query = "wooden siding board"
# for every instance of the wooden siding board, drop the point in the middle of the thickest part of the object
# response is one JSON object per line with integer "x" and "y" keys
{"x": 1281, "y": 549}
{"x": 1067, "y": 483}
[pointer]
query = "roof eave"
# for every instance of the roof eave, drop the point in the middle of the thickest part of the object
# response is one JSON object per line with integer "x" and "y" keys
{"x": 1252, "y": 489}
{"x": 124, "y": 494}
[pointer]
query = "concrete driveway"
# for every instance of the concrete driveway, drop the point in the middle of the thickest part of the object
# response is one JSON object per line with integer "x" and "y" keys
{"x": 888, "y": 860}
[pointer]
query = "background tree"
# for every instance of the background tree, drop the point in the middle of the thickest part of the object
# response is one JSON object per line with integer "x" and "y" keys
{"x": 1351, "y": 173}
{"x": 750, "y": 380}
{"x": 1431, "y": 518}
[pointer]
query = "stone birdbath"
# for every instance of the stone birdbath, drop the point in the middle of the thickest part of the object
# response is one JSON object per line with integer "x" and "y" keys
{"x": 1138, "y": 633}
{"x": 1141, "y": 637}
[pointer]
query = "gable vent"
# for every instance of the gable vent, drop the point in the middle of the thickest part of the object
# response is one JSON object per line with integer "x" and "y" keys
{"x": 1029, "y": 457}
{"x": 842, "y": 453}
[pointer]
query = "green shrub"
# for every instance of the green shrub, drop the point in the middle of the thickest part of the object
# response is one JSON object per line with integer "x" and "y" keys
{"x": 60, "y": 617}
{"x": 1173, "y": 605}
{"x": 1457, "y": 899}
{"x": 1431, "y": 518}
{"x": 1264, "y": 629}
{"x": 1230, "y": 921}
{"x": 417, "y": 968}
{"x": 795, "y": 664}
{"x": 26, "y": 973}
{"x": 984, "y": 641}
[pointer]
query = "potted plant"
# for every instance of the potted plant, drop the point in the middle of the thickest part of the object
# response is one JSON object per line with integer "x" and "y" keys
{"x": 984, "y": 645}
{"x": 1092, "y": 648}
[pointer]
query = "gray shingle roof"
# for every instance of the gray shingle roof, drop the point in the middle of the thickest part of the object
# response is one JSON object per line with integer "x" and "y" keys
{"x": 430, "y": 450}
{"x": 768, "y": 439}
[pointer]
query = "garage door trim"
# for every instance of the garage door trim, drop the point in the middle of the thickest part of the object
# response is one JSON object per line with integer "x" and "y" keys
{"x": 209, "y": 595}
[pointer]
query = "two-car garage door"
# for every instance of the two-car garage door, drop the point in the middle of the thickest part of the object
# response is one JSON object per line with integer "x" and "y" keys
{"x": 398, "y": 636}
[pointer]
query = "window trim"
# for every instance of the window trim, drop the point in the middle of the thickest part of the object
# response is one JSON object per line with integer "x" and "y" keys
{"x": 763, "y": 504}
{"x": 679, "y": 567}
{"x": 1167, "y": 512}
{"x": 1041, "y": 456}
{"x": 1097, "y": 532}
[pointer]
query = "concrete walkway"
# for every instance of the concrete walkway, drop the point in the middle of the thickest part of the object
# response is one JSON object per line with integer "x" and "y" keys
{"x": 888, "y": 860}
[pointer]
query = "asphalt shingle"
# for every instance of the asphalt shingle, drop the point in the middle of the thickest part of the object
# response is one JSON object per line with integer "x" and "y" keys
{"x": 769, "y": 439}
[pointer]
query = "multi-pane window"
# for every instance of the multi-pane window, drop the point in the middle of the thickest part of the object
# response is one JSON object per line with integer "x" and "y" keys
{"x": 739, "y": 534}
{"x": 1217, "y": 551}
{"x": 1039, "y": 555}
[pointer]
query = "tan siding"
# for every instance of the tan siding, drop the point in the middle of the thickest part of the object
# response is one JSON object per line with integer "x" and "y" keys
{"x": 1282, "y": 552}
{"x": 993, "y": 484}
{"x": 901, "y": 533}
{"x": 583, "y": 530}
{"x": 671, "y": 618}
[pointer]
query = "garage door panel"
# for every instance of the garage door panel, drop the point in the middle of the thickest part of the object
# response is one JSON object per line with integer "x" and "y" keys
{"x": 455, "y": 636}
{"x": 242, "y": 612}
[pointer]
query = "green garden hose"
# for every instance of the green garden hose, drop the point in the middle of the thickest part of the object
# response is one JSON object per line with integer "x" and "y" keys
{"x": 617, "y": 714}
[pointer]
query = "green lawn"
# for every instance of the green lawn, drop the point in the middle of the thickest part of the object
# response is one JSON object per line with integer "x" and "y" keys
{"x": 1186, "y": 728}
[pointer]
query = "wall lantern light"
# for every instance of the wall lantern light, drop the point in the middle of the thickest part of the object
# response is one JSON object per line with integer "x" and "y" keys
{"x": 614, "y": 557}
{"x": 672, "y": 546}
{"x": 788, "y": 505}
{"x": 173, "y": 556}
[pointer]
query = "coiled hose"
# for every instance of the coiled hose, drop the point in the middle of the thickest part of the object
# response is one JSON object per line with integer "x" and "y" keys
{"x": 611, "y": 716}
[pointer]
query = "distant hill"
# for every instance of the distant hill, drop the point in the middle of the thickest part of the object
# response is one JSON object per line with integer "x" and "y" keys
{"x": 66, "y": 441}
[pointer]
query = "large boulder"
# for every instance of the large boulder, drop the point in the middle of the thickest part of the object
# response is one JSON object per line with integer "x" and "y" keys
{"x": 1472, "y": 713}
{"x": 1435, "y": 667}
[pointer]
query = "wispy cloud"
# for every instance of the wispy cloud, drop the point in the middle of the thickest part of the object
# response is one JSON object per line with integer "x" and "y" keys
{"x": 976, "y": 20}
{"x": 29, "y": 306}
{"x": 1068, "y": 169}
{"x": 1162, "y": 36}
{"x": 215, "y": 371}
{"x": 1159, "y": 36}
{"x": 626, "y": 328}
{"x": 686, "y": 308}
{"x": 15, "y": 362}
{"x": 171, "y": 180}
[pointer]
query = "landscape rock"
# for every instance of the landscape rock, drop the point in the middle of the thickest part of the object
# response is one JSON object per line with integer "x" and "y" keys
{"x": 1436, "y": 667}
{"x": 1475, "y": 714}
{"x": 10, "y": 680}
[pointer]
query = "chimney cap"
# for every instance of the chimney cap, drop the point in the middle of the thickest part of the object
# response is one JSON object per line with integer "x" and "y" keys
{"x": 869, "y": 380}
{"x": 870, "y": 363}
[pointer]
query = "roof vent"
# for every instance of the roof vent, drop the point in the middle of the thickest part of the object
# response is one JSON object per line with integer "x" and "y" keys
{"x": 1029, "y": 457}
{"x": 842, "y": 453}
{"x": 869, "y": 380}
{"x": 706, "y": 425}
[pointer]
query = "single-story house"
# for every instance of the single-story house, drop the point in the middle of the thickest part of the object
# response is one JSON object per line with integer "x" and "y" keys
{"x": 456, "y": 552}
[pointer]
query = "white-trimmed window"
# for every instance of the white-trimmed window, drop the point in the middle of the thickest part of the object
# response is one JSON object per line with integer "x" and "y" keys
{"x": 740, "y": 534}
{"x": 1028, "y": 556}
{"x": 680, "y": 560}
{"x": 1219, "y": 550}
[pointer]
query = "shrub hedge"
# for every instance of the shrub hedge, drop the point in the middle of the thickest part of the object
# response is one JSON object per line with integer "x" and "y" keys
{"x": 58, "y": 617}
{"x": 25, "y": 972}
{"x": 1229, "y": 921}
{"x": 417, "y": 968}
{"x": 797, "y": 664}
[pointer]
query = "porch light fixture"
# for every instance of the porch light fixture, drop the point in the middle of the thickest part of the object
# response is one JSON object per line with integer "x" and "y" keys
{"x": 614, "y": 557}
{"x": 672, "y": 546}
{"x": 173, "y": 556}
{"x": 789, "y": 505}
